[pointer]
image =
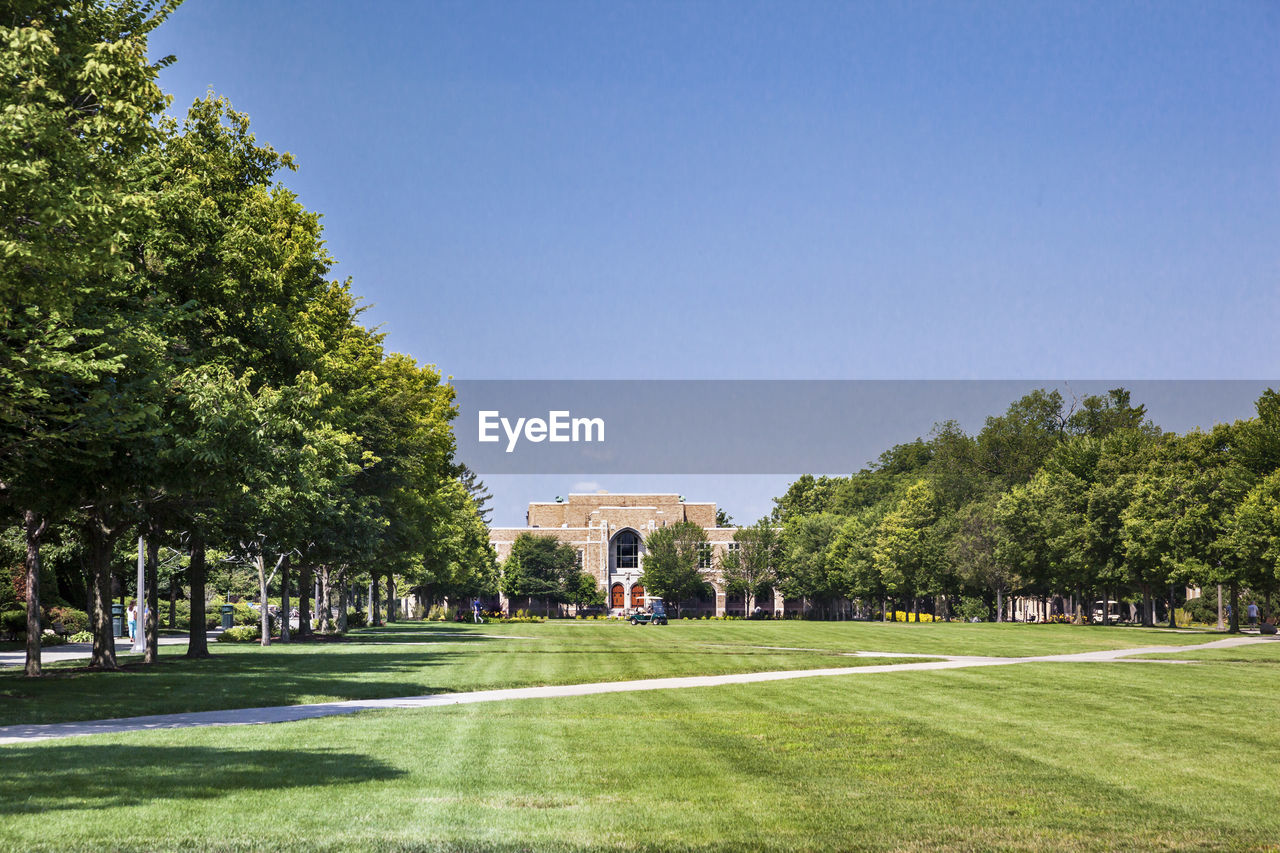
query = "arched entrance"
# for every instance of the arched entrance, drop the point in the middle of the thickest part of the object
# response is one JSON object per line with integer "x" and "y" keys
{"x": 617, "y": 597}
{"x": 637, "y": 596}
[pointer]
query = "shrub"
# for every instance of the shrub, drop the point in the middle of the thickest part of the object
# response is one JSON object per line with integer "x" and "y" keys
{"x": 81, "y": 637}
{"x": 522, "y": 616}
{"x": 181, "y": 614}
{"x": 909, "y": 616}
{"x": 49, "y": 638}
{"x": 1204, "y": 609}
{"x": 246, "y": 615}
{"x": 437, "y": 613}
{"x": 243, "y": 614}
{"x": 73, "y": 621}
{"x": 241, "y": 634}
{"x": 357, "y": 619}
{"x": 13, "y": 622}
{"x": 972, "y": 607}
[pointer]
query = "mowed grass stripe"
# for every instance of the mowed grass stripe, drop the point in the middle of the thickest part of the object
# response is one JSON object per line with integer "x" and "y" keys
{"x": 556, "y": 653}
{"x": 997, "y": 758}
{"x": 241, "y": 676}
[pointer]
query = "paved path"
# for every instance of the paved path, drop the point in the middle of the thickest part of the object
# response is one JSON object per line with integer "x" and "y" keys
{"x": 78, "y": 651}
{"x": 82, "y": 651}
{"x": 288, "y": 713}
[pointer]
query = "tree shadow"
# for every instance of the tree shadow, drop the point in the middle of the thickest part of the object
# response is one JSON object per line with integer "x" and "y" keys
{"x": 44, "y": 778}
{"x": 176, "y": 685}
{"x": 402, "y": 628}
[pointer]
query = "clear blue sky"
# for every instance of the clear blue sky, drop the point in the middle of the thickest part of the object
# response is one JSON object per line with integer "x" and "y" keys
{"x": 810, "y": 190}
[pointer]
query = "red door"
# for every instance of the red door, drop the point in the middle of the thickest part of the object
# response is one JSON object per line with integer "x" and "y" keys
{"x": 619, "y": 600}
{"x": 637, "y": 596}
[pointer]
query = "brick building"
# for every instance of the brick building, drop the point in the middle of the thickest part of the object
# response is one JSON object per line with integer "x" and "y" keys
{"x": 608, "y": 532}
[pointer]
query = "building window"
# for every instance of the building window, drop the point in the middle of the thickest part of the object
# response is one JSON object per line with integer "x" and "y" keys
{"x": 581, "y": 555}
{"x": 704, "y": 556}
{"x": 628, "y": 545}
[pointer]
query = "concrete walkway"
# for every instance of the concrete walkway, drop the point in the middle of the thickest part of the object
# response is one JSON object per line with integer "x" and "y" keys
{"x": 288, "y": 713}
{"x": 124, "y": 649}
{"x": 83, "y": 651}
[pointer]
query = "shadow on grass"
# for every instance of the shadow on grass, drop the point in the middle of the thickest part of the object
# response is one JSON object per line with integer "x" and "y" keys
{"x": 401, "y": 629}
{"x": 47, "y": 778}
{"x": 236, "y": 680}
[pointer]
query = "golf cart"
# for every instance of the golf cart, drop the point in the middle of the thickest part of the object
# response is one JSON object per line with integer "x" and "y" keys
{"x": 655, "y": 613}
{"x": 1106, "y": 612}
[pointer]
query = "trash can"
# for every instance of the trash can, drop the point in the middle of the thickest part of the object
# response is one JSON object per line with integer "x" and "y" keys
{"x": 117, "y": 621}
{"x": 228, "y": 616}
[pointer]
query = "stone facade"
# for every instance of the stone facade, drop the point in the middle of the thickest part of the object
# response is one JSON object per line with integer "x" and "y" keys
{"x": 608, "y": 531}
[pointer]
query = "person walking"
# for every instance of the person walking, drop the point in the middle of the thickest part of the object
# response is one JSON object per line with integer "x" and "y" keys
{"x": 475, "y": 610}
{"x": 1252, "y": 610}
{"x": 133, "y": 619}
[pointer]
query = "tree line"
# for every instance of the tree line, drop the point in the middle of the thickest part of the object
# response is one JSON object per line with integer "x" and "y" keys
{"x": 1049, "y": 501}
{"x": 176, "y": 362}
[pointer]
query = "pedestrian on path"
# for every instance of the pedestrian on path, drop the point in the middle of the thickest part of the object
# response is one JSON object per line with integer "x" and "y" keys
{"x": 1253, "y": 614}
{"x": 475, "y": 610}
{"x": 133, "y": 619}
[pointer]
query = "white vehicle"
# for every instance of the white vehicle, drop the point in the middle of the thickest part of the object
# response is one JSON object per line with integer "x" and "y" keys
{"x": 1112, "y": 611}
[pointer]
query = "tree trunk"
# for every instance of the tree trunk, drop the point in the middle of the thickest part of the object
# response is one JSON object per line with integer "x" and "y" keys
{"x": 1173, "y": 620}
{"x": 264, "y": 614}
{"x": 284, "y": 599}
{"x": 197, "y": 637}
{"x": 34, "y": 527}
{"x": 375, "y": 617}
{"x": 173, "y": 601}
{"x": 1233, "y": 627}
{"x": 150, "y": 623}
{"x": 304, "y": 600}
{"x": 342, "y": 606}
{"x": 104, "y": 641}
{"x": 1148, "y": 607}
{"x": 999, "y": 605}
{"x": 324, "y": 613}
{"x": 391, "y": 597}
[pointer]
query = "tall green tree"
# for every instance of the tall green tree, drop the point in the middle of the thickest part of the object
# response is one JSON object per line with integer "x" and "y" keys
{"x": 671, "y": 562}
{"x": 1179, "y": 519}
{"x": 750, "y": 567}
{"x": 538, "y": 567}
{"x": 806, "y": 567}
{"x": 908, "y": 552}
{"x": 852, "y": 557}
{"x": 1253, "y": 535}
{"x": 79, "y": 100}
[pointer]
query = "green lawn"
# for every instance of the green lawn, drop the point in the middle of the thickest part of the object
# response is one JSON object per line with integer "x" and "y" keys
{"x": 1263, "y": 654}
{"x": 409, "y": 659}
{"x": 1036, "y": 756}
{"x": 403, "y": 660}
